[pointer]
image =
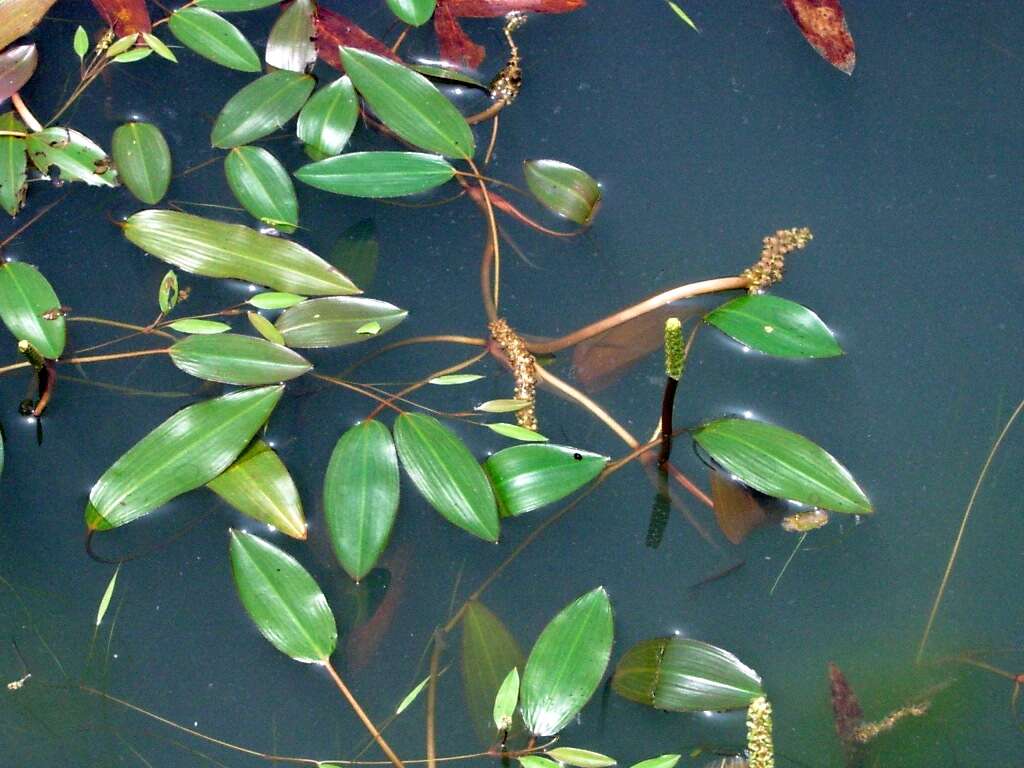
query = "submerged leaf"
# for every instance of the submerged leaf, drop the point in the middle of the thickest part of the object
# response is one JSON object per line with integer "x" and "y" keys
{"x": 335, "y": 321}
{"x": 143, "y": 160}
{"x": 283, "y": 599}
{"x": 16, "y": 67}
{"x": 361, "y": 489}
{"x": 125, "y": 16}
{"x": 775, "y": 326}
{"x": 823, "y": 25}
{"x": 261, "y": 107}
{"x": 527, "y": 477}
{"x": 446, "y": 474}
{"x": 334, "y": 31}
{"x": 77, "y": 156}
{"x": 457, "y": 48}
{"x": 563, "y": 189}
{"x": 291, "y": 42}
{"x": 26, "y": 299}
{"x": 185, "y": 452}
{"x": 737, "y": 512}
{"x": 783, "y": 464}
{"x": 377, "y": 174}
{"x": 231, "y": 358}
{"x": 13, "y": 165}
{"x": 258, "y": 484}
{"x": 356, "y": 252}
{"x": 215, "y": 38}
{"x": 263, "y": 187}
{"x": 489, "y": 9}
{"x": 327, "y": 120}
{"x": 567, "y": 663}
{"x": 489, "y": 651}
{"x": 219, "y": 249}
{"x": 684, "y": 675}
{"x": 108, "y": 593}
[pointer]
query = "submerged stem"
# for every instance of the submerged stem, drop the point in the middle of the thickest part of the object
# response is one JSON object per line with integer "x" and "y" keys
{"x": 361, "y": 714}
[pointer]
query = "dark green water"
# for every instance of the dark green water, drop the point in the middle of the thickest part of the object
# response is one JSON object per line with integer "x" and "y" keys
{"x": 909, "y": 173}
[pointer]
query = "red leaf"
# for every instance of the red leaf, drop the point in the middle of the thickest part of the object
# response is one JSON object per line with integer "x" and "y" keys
{"x": 456, "y": 46}
{"x": 489, "y": 9}
{"x": 824, "y": 26}
{"x": 125, "y": 16}
{"x": 736, "y": 510}
{"x": 846, "y": 709}
{"x": 334, "y": 30}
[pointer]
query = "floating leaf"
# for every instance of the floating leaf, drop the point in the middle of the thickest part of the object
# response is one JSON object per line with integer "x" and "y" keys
{"x": 783, "y": 464}
{"x": 356, "y": 252}
{"x": 412, "y": 12}
{"x": 108, "y": 593}
{"x": 505, "y": 700}
{"x": 502, "y": 406}
{"x": 684, "y": 675}
{"x": 81, "y": 42}
{"x": 234, "y": 359}
{"x": 775, "y": 326}
{"x": 283, "y": 599}
{"x": 261, "y": 107}
{"x": 567, "y": 663}
{"x": 121, "y": 45}
{"x": 488, "y": 653}
{"x": 327, "y": 120}
{"x": 275, "y": 300}
{"x": 582, "y": 758}
{"x": 334, "y": 30}
{"x": 213, "y": 37}
{"x": 452, "y": 379}
{"x": 335, "y": 321}
{"x": 13, "y": 165}
{"x": 662, "y": 761}
{"x": 16, "y": 67}
{"x": 143, "y": 160}
{"x": 198, "y": 326}
{"x": 265, "y": 328}
{"x": 75, "y": 154}
{"x": 136, "y": 54}
{"x": 263, "y": 187}
{"x": 258, "y": 484}
{"x": 411, "y": 696}
{"x": 409, "y": 104}
{"x": 824, "y": 26}
{"x": 438, "y": 72}
{"x": 186, "y": 451}
{"x": 564, "y": 189}
{"x": 124, "y": 16}
{"x": 25, "y": 299}
{"x": 19, "y": 17}
{"x": 159, "y": 47}
{"x": 377, "y": 174}
{"x": 291, "y": 42}
{"x": 235, "y": 6}
{"x": 219, "y": 249}
{"x": 515, "y": 432}
{"x": 361, "y": 496}
{"x": 446, "y": 474}
{"x": 527, "y": 477}
{"x": 168, "y": 294}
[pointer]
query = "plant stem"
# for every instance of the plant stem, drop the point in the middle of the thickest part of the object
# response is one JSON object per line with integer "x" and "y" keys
{"x": 435, "y": 662}
{"x": 385, "y": 747}
{"x": 667, "y": 406}
{"x": 423, "y": 382}
{"x": 493, "y": 227}
{"x": 384, "y": 402}
{"x": 963, "y": 527}
{"x": 688, "y": 291}
{"x": 25, "y": 113}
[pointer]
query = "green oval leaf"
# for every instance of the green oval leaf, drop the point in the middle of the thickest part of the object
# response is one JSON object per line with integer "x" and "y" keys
{"x": 775, "y": 326}
{"x": 567, "y": 663}
{"x": 80, "y": 42}
{"x": 261, "y": 107}
{"x": 236, "y": 6}
{"x": 136, "y": 54}
{"x": 275, "y": 300}
{"x": 505, "y": 701}
{"x": 213, "y": 37}
{"x": 446, "y": 474}
{"x": 327, "y": 120}
{"x": 489, "y": 651}
{"x": 377, "y": 174}
{"x": 13, "y": 165}
{"x": 335, "y": 321}
{"x": 536, "y": 761}
{"x": 219, "y": 249}
{"x": 290, "y": 44}
{"x": 661, "y": 761}
{"x": 26, "y": 298}
{"x": 515, "y": 432}
{"x": 453, "y": 379}
{"x": 361, "y": 496}
{"x": 582, "y": 758}
{"x": 526, "y": 477}
{"x": 283, "y": 599}
{"x": 198, "y": 326}
{"x": 684, "y": 675}
{"x": 563, "y": 189}
{"x": 413, "y": 12}
{"x": 263, "y": 187}
{"x": 502, "y": 406}
{"x": 234, "y": 359}
{"x": 409, "y": 104}
{"x": 265, "y": 328}
{"x": 168, "y": 294}
{"x": 76, "y": 156}
{"x": 143, "y": 160}
{"x": 781, "y": 463}
{"x": 185, "y": 452}
{"x": 258, "y": 484}
{"x": 159, "y": 47}
{"x": 17, "y": 64}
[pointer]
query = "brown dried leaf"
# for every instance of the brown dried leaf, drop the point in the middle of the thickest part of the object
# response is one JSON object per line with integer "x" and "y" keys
{"x": 824, "y": 25}
{"x": 19, "y": 17}
{"x": 487, "y": 9}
